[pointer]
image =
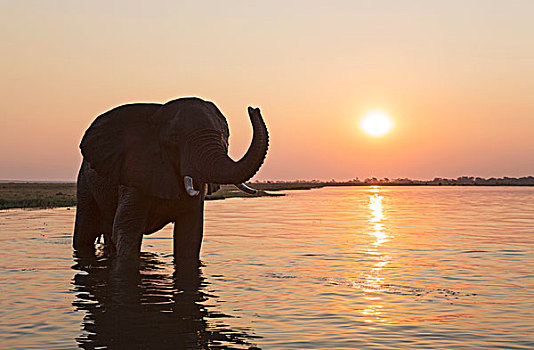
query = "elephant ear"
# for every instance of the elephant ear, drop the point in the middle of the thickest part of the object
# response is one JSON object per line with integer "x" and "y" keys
{"x": 123, "y": 146}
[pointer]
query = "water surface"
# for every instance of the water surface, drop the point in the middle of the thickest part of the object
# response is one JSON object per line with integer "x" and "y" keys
{"x": 331, "y": 268}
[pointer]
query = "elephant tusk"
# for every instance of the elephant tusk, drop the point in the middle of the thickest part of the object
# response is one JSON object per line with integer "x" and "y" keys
{"x": 246, "y": 189}
{"x": 188, "y": 183}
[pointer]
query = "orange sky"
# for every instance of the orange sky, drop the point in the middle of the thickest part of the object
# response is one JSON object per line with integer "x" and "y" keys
{"x": 457, "y": 77}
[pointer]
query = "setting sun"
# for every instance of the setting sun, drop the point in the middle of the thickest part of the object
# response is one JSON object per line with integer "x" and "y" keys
{"x": 376, "y": 123}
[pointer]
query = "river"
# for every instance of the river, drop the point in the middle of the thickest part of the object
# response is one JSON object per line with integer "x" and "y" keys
{"x": 330, "y": 268}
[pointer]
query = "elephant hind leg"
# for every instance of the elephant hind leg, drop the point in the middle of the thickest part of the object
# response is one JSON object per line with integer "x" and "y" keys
{"x": 87, "y": 225}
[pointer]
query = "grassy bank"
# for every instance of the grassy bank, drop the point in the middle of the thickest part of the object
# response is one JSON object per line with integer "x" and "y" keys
{"x": 37, "y": 195}
{"x": 51, "y": 195}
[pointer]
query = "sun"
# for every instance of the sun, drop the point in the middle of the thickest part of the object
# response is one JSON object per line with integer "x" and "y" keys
{"x": 376, "y": 123}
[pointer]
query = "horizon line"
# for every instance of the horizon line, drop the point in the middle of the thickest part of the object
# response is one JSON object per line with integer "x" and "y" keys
{"x": 356, "y": 179}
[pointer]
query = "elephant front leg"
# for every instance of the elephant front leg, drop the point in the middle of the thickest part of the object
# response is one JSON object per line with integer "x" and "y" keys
{"x": 128, "y": 226}
{"x": 188, "y": 232}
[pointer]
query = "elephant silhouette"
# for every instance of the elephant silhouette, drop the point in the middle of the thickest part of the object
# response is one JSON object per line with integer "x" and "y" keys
{"x": 146, "y": 165}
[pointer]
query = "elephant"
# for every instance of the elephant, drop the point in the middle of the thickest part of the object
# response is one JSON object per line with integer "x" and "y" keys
{"x": 146, "y": 165}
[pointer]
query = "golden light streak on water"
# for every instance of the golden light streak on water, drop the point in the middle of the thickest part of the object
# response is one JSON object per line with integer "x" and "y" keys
{"x": 374, "y": 282}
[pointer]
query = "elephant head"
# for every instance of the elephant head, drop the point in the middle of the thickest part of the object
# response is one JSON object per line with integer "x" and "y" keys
{"x": 166, "y": 150}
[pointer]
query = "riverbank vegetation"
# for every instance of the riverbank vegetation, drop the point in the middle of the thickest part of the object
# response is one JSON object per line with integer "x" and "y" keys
{"x": 50, "y": 195}
{"x": 441, "y": 181}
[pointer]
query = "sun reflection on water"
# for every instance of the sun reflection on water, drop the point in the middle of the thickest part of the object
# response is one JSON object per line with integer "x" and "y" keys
{"x": 374, "y": 282}
{"x": 377, "y": 217}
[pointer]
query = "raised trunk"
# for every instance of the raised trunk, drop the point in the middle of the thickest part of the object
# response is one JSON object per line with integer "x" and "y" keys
{"x": 224, "y": 170}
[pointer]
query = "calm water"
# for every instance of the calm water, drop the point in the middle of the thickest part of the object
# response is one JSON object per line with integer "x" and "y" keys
{"x": 333, "y": 268}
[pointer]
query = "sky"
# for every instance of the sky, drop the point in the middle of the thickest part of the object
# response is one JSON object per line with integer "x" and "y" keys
{"x": 457, "y": 77}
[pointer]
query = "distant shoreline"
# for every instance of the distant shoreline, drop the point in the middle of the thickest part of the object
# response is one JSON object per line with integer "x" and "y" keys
{"x": 25, "y": 195}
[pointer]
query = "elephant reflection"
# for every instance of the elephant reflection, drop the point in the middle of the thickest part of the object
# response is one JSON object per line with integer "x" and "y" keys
{"x": 151, "y": 310}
